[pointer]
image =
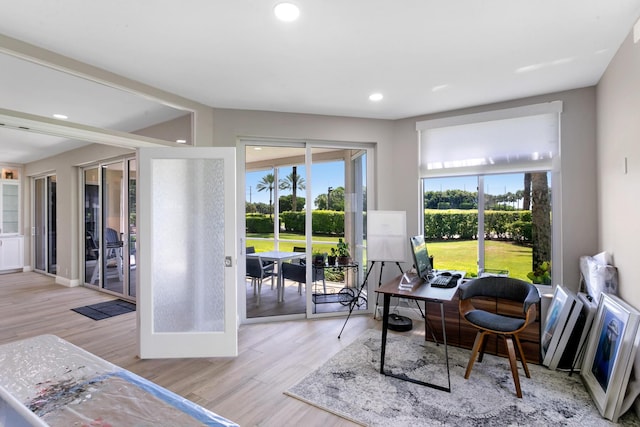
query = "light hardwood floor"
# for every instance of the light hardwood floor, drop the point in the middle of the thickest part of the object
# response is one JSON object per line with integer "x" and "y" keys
{"x": 247, "y": 389}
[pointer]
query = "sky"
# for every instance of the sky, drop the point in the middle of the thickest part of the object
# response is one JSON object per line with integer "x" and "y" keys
{"x": 323, "y": 175}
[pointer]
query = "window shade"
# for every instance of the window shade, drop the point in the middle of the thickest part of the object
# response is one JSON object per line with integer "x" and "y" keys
{"x": 504, "y": 140}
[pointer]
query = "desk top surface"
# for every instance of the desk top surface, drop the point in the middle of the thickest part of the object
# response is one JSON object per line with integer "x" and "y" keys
{"x": 421, "y": 290}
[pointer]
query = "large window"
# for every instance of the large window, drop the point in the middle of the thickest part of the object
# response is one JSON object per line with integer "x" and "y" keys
{"x": 488, "y": 188}
{"x": 491, "y": 230}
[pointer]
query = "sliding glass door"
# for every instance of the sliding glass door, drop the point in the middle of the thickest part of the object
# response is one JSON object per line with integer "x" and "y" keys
{"x": 305, "y": 198}
{"x": 44, "y": 224}
{"x": 110, "y": 227}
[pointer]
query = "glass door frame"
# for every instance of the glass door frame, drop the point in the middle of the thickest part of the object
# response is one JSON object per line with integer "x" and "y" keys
{"x": 124, "y": 231}
{"x": 44, "y": 223}
{"x": 359, "y": 248}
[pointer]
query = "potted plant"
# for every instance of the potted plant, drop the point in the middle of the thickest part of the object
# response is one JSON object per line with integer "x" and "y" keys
{"x": 542, "y": 274}
{"x": 331, "y": 259}
{"x": 344, "y": 257}
{"x": 319, "y": 259}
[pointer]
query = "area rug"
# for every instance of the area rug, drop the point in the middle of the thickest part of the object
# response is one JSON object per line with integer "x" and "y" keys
{"x": 351, "y": 386}
{"x": 107, "y": 309}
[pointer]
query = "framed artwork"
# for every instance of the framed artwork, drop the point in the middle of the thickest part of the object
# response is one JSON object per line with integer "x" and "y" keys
{"x": 557, "y": 315}
{"x": 611, "y": 349}
{"x": 589, "y": 307}
{"x": 569, "y": 334}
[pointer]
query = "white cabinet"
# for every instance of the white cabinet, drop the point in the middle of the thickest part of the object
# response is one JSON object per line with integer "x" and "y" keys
{"x": 11, "y": 250}
{"x": 11, "y": 242}
{"x": 9, "y": 206}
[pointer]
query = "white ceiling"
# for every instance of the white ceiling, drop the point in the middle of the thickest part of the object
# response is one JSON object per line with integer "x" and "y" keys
{"x": 424, "y": 56}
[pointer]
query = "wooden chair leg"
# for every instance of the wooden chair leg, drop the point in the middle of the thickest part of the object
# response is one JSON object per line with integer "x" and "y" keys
{"x": 482, "y": 349}
{"x": 480, "y": 338}
{"x": 514, "y": 364}
{"x": 521, "y": 354}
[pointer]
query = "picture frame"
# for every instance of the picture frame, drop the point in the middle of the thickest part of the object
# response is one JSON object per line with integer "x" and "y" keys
{"x": 589, "y": 308}
{"x": 570, "y": 332}
{"x": 611, "y": 349}
{"x": 557, "y": 315}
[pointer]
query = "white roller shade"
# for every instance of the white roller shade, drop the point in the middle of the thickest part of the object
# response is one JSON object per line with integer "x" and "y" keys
{"x": 495, "y": 141}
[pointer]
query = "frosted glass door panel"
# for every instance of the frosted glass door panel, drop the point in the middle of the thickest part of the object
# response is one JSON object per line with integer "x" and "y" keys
{"x": 188, "y": 273}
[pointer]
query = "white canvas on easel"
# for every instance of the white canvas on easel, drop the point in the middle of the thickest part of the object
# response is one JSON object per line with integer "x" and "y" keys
{"x": 387, "y": 236}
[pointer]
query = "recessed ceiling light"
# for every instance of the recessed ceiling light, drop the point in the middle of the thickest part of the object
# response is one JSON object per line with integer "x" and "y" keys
{"x": 286, "y": 12}
{"x": 439, "y": 87}
{"x": 60, "y": 116}
{"x": 181, "y": 141}
{"x": 375, "y": 97}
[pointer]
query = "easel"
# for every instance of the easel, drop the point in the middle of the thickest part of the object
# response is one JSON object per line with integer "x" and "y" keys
{"x": 380, "y": 282}
{"x": 355, "y": 299}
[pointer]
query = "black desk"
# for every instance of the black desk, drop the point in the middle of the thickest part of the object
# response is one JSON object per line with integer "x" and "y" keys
{"x": 419, "y": 292}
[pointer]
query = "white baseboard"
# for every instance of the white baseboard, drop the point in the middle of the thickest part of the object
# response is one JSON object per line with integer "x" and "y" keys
{"x": 69, "y": 283}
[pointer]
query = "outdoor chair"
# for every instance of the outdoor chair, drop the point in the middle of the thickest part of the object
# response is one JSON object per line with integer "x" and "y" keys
{"x": 257, "y": 271}
{"x": 298, "y": 273}
{"x": 504, "y": 326}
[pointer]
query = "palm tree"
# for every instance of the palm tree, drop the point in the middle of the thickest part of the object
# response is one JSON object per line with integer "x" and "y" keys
{"x": 293, "y": 182}
{"x": 267, "y": 183}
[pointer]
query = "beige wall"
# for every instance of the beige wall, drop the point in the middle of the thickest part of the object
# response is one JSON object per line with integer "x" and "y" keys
{"x": 619, "y": 139}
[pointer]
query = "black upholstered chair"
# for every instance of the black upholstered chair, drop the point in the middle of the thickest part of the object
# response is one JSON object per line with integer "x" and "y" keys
{"x": 504, "y": 326}
{"x": 298, "y": 273}
{"x": 257, "y": 271}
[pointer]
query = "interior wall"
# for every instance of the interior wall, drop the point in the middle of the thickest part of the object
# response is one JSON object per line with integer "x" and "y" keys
{"x": 618, "y": 142}
{"x": 578, "y": 161}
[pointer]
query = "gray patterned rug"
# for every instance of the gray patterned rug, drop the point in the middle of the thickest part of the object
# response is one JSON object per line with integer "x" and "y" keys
{"x": 350, "y": 385}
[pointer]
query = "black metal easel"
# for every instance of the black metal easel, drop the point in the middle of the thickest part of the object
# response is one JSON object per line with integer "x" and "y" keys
{"x": 355, "y": 299}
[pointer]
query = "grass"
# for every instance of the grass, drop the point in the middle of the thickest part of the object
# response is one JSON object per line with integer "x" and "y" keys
{"x": 452, "y": 255}
{"x": 264, "y": 242}
{"x": 463, "y": 255}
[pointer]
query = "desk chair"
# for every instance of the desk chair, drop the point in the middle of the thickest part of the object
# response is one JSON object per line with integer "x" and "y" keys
{"x": 490, "y": 323}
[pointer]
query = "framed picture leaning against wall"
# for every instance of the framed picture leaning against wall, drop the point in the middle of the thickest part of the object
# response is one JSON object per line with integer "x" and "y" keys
{"x": 611, "y": 349}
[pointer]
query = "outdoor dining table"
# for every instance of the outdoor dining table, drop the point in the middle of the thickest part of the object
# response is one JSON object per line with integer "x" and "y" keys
{"x": 278, "y": 257}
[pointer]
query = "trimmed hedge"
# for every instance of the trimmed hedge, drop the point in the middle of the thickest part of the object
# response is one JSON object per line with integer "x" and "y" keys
{"x": 323, "y": 222}
{"x": 438, "y": 224}
{"x": 259, "y": 223}
{"x": 463, "y": 224}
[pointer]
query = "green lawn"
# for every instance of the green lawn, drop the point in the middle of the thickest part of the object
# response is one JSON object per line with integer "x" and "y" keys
{"x": 285, "y": 245}
{"x": 452, "y": 255}
{"x": 462, "y": 255}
